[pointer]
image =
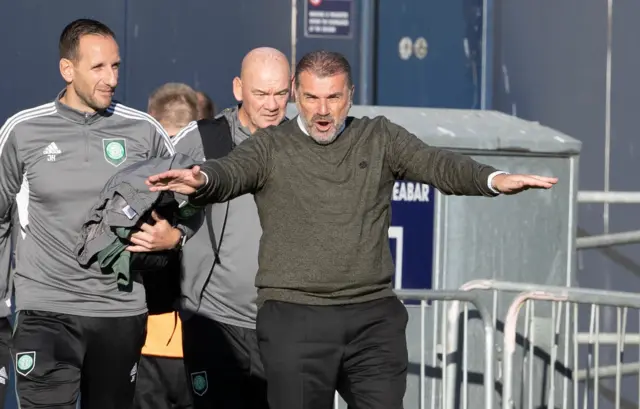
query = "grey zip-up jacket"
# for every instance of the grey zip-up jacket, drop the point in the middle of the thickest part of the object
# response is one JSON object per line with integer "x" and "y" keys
{"x": 67, "y": 157}
{"x": 227, "y": 293}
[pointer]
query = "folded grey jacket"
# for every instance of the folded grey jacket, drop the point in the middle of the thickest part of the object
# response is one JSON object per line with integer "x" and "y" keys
{"x": 124, "y": 199}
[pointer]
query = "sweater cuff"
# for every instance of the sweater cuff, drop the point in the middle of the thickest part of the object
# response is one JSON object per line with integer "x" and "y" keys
{"x": 198, "y": 198}
{"x": 483, "y": 180}
{"x": 490, "y": 180}
{"x": 206, "y": 178}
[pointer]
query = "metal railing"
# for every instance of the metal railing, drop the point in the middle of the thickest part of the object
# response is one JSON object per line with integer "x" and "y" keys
{"x": 450, "y": 384}
{"x": 561, "y": 298}
{"x": 497, "y": 290}
{"x": 608, "y": 239}
{"x": 559, "y": 337}
{"x": 589, "y": 196}
{"x": 431, "y": 300}
{"x": 550, "y": 373}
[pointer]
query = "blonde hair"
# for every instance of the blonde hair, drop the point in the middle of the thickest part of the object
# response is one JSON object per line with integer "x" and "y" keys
{"x": 174, "y": 103}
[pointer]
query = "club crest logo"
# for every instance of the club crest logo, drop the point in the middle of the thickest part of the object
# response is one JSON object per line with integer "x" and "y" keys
{"x": 25, "y": 362}
{"x": 115, "y": 151}
{"x": 199, "y": 383}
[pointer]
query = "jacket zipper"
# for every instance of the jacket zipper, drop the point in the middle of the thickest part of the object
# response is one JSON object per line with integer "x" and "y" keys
{"x": 86, "y": 138}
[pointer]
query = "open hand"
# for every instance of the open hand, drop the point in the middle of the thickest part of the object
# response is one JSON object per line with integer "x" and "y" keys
{"x": 512, "y": 184}
{"x": 161, "y": 236}
{"x": 184, "y": 181}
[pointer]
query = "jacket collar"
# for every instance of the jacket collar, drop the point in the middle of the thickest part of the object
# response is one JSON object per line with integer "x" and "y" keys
{"x": 231, "y": 114}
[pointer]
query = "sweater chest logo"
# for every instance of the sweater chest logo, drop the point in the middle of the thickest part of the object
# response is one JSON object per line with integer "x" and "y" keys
{"x": 51, "y": 151}
{"x": 115, "y": 151}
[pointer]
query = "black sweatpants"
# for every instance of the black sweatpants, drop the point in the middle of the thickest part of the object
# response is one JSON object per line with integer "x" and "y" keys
{"x": 5, "y": 358}
{"x": 223, "y": 365}
{"x": 59, "y": 356}
{"x": 162, "y": 384}
{"x": 309, "y": 352}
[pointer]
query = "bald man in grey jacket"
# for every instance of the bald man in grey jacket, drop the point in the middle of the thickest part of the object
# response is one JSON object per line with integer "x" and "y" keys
{"x": 219, "y": 294}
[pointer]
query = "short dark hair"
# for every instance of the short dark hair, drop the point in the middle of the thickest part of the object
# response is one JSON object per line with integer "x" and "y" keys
{"x": 323, "y": 64}
{"x": 74, "y": 31}
{"x": 206, "y": 110}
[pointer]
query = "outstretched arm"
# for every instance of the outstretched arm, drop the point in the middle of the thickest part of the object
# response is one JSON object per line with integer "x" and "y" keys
{"x": 244, "y": 170}
{"x": 450, "y": 172}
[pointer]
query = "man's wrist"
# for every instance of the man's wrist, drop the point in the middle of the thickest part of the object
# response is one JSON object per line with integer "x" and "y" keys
{"x": 181, "y": 235}
{"x": 196, "y": 198}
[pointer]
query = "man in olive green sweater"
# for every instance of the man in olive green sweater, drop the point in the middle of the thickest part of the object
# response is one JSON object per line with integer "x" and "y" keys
{"x": 322, "y": 182}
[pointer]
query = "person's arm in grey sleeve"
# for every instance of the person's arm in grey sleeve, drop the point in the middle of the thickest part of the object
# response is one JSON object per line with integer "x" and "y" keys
{"x": 449, "y": 172}
{"x": 10, "y": 230}
{"x": 161, "y": 144}
{"x": 244, "y": 170}
{"x": 11, "y": 172}
{"x": 189, "y": 142}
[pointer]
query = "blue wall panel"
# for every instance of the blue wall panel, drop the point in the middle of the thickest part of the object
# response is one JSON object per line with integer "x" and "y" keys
{"x": 29, "y": 33}
{"x": 198, "y": 42}
{"x": 449, "y": 75}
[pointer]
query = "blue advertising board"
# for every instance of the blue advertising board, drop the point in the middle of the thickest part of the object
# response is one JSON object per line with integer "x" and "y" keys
{"x": 328, "y": 18}
{"x": 411, "y": 234}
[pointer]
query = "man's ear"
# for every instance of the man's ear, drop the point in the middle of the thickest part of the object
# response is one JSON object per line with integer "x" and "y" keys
{"x": 292, "y": 95}
{"x": 66, "y": 70}
{"x": 237, "y": 89}
{"x": 351, "y": 94}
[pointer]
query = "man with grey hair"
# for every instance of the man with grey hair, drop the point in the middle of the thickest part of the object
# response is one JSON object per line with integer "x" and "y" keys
{"x": 221, "y": 260}
{"x": 329, "y": 318}
{"x": 174, "y": 105}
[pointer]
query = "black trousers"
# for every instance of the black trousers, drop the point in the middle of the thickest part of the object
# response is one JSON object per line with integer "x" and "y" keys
{"x": 5, "y": 358}
{"x": 223, "y": 365}
{"x": 162, "y": 384}
{"x": 309, "y": 352}
{"x": 59, "y": 356}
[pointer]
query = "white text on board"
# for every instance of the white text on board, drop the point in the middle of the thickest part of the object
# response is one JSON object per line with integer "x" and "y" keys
{"x": 410, "y": 192}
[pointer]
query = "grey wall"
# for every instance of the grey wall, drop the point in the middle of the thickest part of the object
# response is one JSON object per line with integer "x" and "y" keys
{"x": 551, "y": 66}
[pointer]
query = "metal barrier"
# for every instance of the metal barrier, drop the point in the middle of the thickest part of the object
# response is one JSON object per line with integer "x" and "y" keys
{"x": 563, "y": 377}
{"x": 608, "y": 239}
{"x": 559, "y": 338}
{"x": 435, "y": 297}
{"x": 560, "y": 298}
{"x": 485, "y": 316}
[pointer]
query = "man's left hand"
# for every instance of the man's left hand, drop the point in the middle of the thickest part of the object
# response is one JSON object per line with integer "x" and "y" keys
{"x": 161, "y": 236}
{"x": 512, "y": 184}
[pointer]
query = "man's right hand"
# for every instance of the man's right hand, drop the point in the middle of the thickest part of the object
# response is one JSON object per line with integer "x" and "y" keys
{"x": 184, "y": 181}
